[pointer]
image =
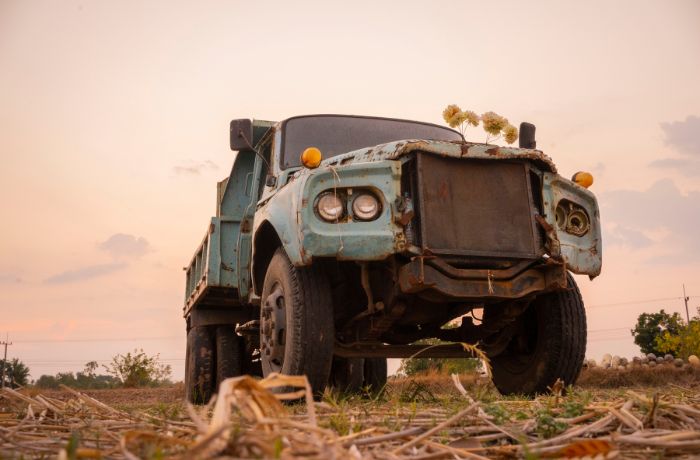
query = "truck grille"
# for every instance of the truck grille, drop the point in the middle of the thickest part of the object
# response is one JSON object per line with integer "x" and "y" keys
{"x": 480, "y": 208}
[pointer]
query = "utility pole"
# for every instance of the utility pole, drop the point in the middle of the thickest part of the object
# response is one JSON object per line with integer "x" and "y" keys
{"x": 4, "y": 360}
{"x": 685, "y": 299}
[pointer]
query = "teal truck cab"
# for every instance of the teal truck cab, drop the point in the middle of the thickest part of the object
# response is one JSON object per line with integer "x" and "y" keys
{"x": 341, "y": 241}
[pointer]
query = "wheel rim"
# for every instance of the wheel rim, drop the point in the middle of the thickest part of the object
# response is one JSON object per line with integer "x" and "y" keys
{"x": 274, "y": 328}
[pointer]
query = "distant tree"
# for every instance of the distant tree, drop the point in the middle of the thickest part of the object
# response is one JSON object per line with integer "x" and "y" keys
{"x": 66, "y": 378}
{"x": 652, "y": 325}
{"x": 87, "y": 379}
{"x": 683, "y": 343}
{"x": 91, "y": 368}
{"x": 16, "y": 373}
{"x": 47, "y": 381}
{"x": 139, "y": 369}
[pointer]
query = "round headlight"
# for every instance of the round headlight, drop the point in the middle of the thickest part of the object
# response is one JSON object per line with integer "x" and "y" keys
{"x": 365, "y": 207}
{"x": 330, "y": 207}
{"x": 577, "y": 222}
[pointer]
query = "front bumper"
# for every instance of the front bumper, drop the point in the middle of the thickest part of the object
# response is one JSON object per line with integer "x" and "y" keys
{"x": 435, "y": 280}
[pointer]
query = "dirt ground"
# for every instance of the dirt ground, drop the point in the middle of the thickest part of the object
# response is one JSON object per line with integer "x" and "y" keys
{"x": 633, "y": 413}
{"x": 427, "y": 386}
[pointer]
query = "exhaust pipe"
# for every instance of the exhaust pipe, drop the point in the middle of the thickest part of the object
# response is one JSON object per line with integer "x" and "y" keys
{"x": 527, "y": 136}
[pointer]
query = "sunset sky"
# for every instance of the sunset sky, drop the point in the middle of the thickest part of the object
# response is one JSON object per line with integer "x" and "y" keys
{"x": 114, "y": 130}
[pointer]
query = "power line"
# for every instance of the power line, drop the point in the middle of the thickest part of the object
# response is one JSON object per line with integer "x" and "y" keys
{"x": 124, "y": 339}
{"x": 633, "y": 302}
{"x": 80, "y": 361}
{"x": 609, "y": 330}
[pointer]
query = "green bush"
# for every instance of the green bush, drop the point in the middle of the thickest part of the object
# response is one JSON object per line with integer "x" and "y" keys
{"x": 418, "y": 365}
{"x": 139, "y": 369}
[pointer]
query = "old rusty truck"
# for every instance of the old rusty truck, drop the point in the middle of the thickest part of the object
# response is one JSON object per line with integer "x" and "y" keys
{"x": 341, "y": 241}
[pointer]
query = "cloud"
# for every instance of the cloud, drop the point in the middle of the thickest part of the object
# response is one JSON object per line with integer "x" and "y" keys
{"x": 120, "y": 246}
{"x": 81, "y": 274}
{"x": 6, "y": 278}
{"x": 686, "y": 166}
{"x": 684, "y": 136}
{"x": 619, "y": 235}
{"x": 123, "y": 246}
{"x": 195, "y": 169}
{"x": 659, "y": 218}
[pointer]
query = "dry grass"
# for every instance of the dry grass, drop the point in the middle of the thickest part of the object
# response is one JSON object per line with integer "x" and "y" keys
{"x": 431, "y": 416}
{"x": 637, "y": 376}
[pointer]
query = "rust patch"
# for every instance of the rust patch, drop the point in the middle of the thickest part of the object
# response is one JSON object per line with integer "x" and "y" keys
{"x": 444, "y": 192}
{"x": 545, "y": 225}
{"x": 413, "y": 281}
{"x": 552, "y": 241}
{"x": 245, "y": 226}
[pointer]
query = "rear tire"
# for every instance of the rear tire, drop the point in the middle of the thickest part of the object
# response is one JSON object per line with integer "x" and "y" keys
{"x": 549, "y": 344}
{"x": 347, "y": 374}
{"x": 375, "y": 374}
{"x": 296, "y": 322}
{"x": 229, "y": 354}
{"x": 355, "y": 375}
{"x": 199, "y": 376}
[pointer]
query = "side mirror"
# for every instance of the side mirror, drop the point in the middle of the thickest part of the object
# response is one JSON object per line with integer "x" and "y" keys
{"x": 527, "y": 136}
{"x": 241, "y": 134}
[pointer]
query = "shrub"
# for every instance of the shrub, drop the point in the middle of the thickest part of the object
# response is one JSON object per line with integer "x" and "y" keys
{"x": 683, "y": 343}
{"x": 139, "y": 369}
{"x": 652, "y": 325}
{"x": 414, "y": 366}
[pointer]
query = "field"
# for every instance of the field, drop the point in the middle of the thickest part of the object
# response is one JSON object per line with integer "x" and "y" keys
{"x": 633, "y": 413}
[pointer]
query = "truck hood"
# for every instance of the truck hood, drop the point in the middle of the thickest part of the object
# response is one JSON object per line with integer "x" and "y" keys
{"x": 397, "y": 149}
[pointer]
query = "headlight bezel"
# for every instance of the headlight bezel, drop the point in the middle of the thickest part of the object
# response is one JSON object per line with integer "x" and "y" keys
{"x": 347, "y": 198}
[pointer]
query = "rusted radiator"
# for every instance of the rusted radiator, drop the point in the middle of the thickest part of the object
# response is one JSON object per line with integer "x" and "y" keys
{"x": 476, "y": 208}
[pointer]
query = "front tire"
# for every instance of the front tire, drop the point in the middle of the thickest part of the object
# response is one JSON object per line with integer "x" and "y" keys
{"x": 550, "y": 344}
{"x": 296, "y": 322}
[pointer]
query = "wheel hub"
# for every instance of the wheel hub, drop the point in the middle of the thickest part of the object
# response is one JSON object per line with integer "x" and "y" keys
{"x": 273, "y": 328}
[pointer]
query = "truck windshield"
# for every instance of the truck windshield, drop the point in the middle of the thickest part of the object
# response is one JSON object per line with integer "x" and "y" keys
{"x": 336, "y": 134}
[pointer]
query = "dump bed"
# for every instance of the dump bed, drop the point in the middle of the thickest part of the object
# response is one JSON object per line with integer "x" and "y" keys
{"x": 211, "y": 275}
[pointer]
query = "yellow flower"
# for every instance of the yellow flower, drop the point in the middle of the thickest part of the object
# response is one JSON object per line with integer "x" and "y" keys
{"x": 451, "y": 115}
{"x": 493, "y": 123}
{"x": 510, "y": 133}
{"x": 471, "y": 117}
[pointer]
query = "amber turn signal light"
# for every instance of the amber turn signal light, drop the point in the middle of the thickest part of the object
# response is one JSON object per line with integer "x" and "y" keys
{"x": 311, "y": 157}
{"x": 582, "y": 178}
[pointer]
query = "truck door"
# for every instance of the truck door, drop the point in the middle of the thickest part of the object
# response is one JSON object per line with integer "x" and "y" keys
{"x": 255, "y": 183}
